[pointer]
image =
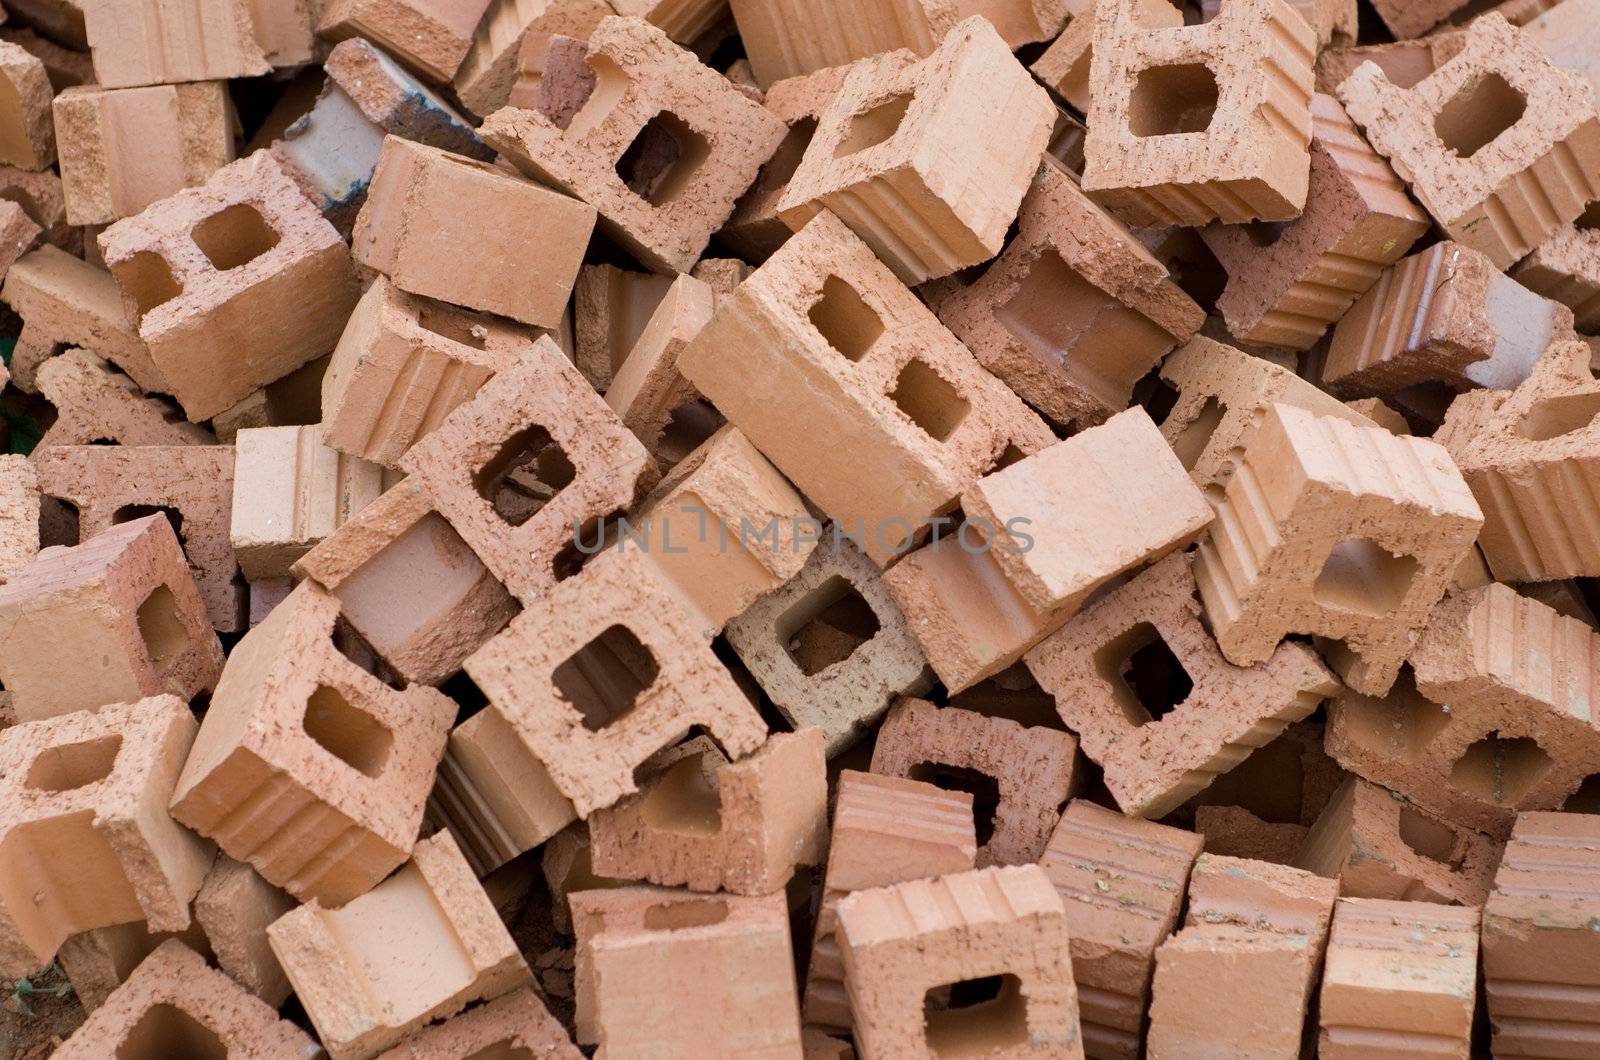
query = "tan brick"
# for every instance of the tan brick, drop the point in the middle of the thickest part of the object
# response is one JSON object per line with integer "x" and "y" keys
{"x": 1121, "y": 881}
{"x": 1154, "y": 701}
{"x": 1076, "y": 311}
{"x": 532, "y": 458}
{"x": 1064, "y": 66}
{"x": 567, "y": 869}
{"x": 1242, "y": 81}
{"x": 177, "y": 40}
{"x": 19, "y": 515}
{"x": 904, "y": 941}
{"x": 513, "y": 248}
{"x": 422, "y": 945}
{"x": 63, "y": 20}
{"x": 1041, "y": 536}
{"x": 611, "y": 308}
{"x": 97, "y": 962}
{"x": 123, "y": 149}
{"x": 333, "y": 764}
{"x": 1413, "y": 18}
{"x": 174, "y": 1004}
{"x": 908, "y": 156}
{"x": 517, "y": 1022}
{"x": 661, "y": 146}
{"x": 1378, "y": 845}
{"x": 234, "y": 907}
{"x": 647, "y": 390}
{"x": 1566, "y": 268}
{"x": 1401, "y": 973}
{"x": 87, "y": 842}
{"x": 494, "y": 60}
{"x": 1353, "y": 535}
{"x": 209, "y": 268}
{"x": 861, "y": 362}
{"x": 409, "y": 585}
{"x": 786, "y": 42}
{"x": 285, "y": 31}
{"x": 96, "y": 403}
{"x": 431, "y": 36}
{"x": 27, "y": 137}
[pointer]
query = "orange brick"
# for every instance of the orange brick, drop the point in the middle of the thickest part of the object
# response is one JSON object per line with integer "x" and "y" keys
{"x": 611, "y": 308}
{"x": 97, "y": 962}
{"x": 180, "y": 40}
{"x": 27, "y": 137}
{"x": 514, "y": 1021}
{"x": 96, "y": 403}
{"x": 432, "y": 36}
{"x": 509, "y": 30}
{"x": 234, "y": 907}
{"x": 1065, "y": 65}
{"x": 785, "y": 42}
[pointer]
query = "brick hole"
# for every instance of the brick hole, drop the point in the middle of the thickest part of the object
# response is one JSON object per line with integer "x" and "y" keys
{"x": 1428, "y": 839}
{"x": 129, "y": 512}
{"x": 1499, "y": 770}
{"x": 843, "y": 318}
{"x": 1589, "y": 220}
{"x": 234, "y": 237}
{"x": 984, "y": 789}
{"x": 605, "y": 83}
{"x": 931, "y": 403}
{"x": 827, "y": 625}
{"x": 29, "y": 204}
{"x": 688, "y": 428}
{"x": 662, "y": 160}
{"x": 148, "y": 280}
{"x": 1146, "y": 676}
{"x": 453, "y": 325}
{"x": 780, "y": 168}
{"x": 604, "y": 679}
{"x": 1586, "y": 799}
{"x": 165, "y": 1031}
{"x": 74, "y": 765}
{"x": 1477, "y": 115}
{"x": 161, "y": 628}
{"x": 526, "y": 474}
{"x": 345, "y": 731}
{"x": 871, "y": 127}
{"x": 690, "y": 913}
{"x": 1363, "y": 576}
{"x": 685, "y": 799}
{"x": 1191, "y": 442}
{"x": 1558, "y": 416}
{"x": 1008, "y": 456}
{"x": 1172, "y": 100}
{"x": 593, "y": 535}
{"x": 982, "y": 1016}
{"x": 1401, "y": 724}
{"x": 1266, "y": 233}
{"x": 507, "y": 1049}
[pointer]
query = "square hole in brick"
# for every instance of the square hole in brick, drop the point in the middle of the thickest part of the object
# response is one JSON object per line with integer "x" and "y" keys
{"x": 929, "y": 400}
{"x": 874, "y": 125}
{"x": 1191, "y": 442}
{"x": 1148, "y": 680}
{"x": 984, "y": 789}
{"x": 1428, "y": 838}
{"x": 234, "y": 237}
{"x": 827, "y": 625}
{"x": 165, "y": 1031}
{"x": 1364, "y": 577}
{"x": 1501, "y": 770}
{"x": 604, "y": 679}
{"x": 976, "y": 1017}
{"x": 1172, "y": 100}
{"x": 1479, "y": 114}
{"x": 663, "y": 159}
{"x": 161, "y": 628}
{"x": 74, "y": 765}
{"x": 526, "y": 474}
{"x": 129, "y": 512}
{"x": 147, "y": 279}
{"x": 1559, "y": 416}
{"x": 685, "y": 799}
{"x": 347, "y": 732}
{"x": 1401, "y": 724}
{"x": 688, "y": 913}
{"x": 843, "y": 318}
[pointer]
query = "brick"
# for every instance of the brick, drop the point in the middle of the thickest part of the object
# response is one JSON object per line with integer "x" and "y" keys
{"x": 206, "y": 267}
{"x": 1516, "y": 734}
{"x": 1064, "y": 66}
{"x": 513, "y": 248}
{"x": 1566, "y": 269}
{"x": 567, "y": 869}
{"x": 660, "y": 145}
{"x": 96, "y": 403}
{"x": 517, "y": 1022}
{"x": 1237, "y": 979}
{"x": 1539, "y": 942}
{"x": 493, "y": 63}
{"x": 862, "y": 362}
{"x": 405, "y": 581}
{"x": 1121, "y": 881}
{"x": 1095, "y": 506}
{"x": 648, "y": 391}
{"x": 123, "y": 149}
{"x": 904, "y": 941}
{"x": 1223, "y": 394}
{"x": 18, "y": 233}
{"x": 66, "y": 66}
{"x": 192, "y": 483}
{"x": 423, "y": 945}
{"x": 1404, "y": 62}
{"x": 1499, "y": 90}
{"x": 19, "y": 515}
{"x": 1289, "y": 780}
{"x": 97, "y": 962}
{"x": 1445, "y": 316}
{"x": 234, "y": 906}
{"x": 1409, "y": 18}
{"x": 1349, "y": 533}
{"x": 403, "y": 364}
{"x": 902, "y": 151}
{"x": 1378, "y": 845}
{"x": 1236, "y": 832}
{"x": 1564, "y": 30}
{"x": 634, "y": 1000}
{"x": 332, "y": 764}
{"x": 286, "y": 32}
{"x": 785, "y": 43}
{"x": 685, "y": 21}
{"x": 87, "y": 844}
{"x": 534, "y": 455}
{"x": 1153, "y": 699}
{"x": 886, "y": 830}
{"x": 173, "y": 1003}
{"x": 178, "y": 40}
{"x": 611, "y": 308}
{"x": 829, "y": 647}
{"x": 291, "y": 401}
{"x": 1242, "y": 81}
{"x": 65, "y": 301}
{"x": 711, "y": 825}
{"x": 816, "y": 1045}
{"x": 332, "y": 150}
{"x": 1075, "y": 311}
{"x": 1401, "y": 973}
{"x": 431, "y": 36}
{"x": 43, "y": 202}
{"x": 27, "y": 138}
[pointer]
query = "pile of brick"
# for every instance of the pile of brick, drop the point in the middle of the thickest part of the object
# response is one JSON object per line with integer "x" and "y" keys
{"x": 807, "y": 529}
